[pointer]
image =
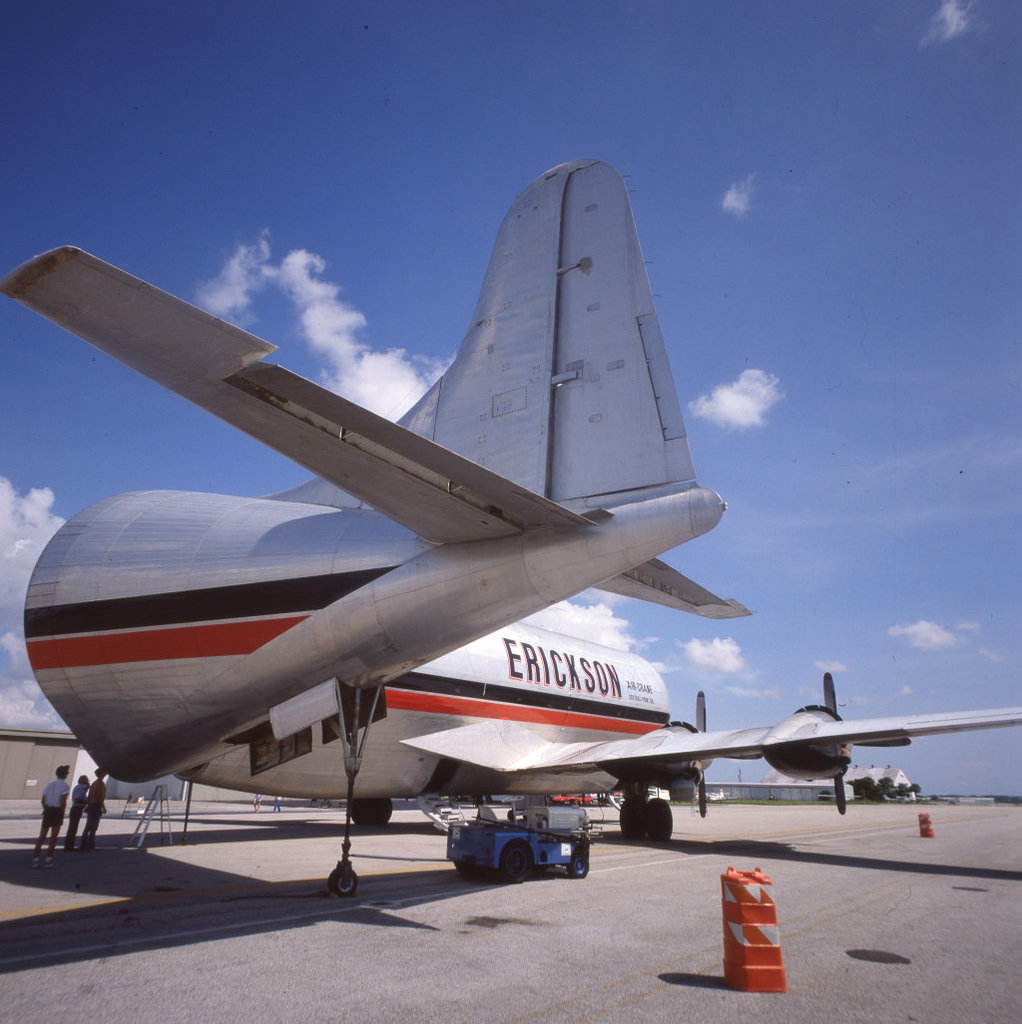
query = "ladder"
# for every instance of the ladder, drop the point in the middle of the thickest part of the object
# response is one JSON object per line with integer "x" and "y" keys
{"x": 133, "y": 807}
{"x": 440, "y": 810}
{"x": 158, "y": 804}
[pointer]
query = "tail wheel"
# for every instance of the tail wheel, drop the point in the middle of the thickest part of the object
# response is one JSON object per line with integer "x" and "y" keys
{"x": 516, "y": 860}
{"x": 659, "y": 820}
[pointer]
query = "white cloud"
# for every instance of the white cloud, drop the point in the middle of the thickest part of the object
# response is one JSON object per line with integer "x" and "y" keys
{"x": 952, "y": 19}
{"x": 386, "y": 382}
{"x": 721, "y": 655}
{"x": 738, "y": 198}
{"x": 831, "y": 666}
{"x": 927, "y": 636}
{"x": 770, "y": 693}
{"x": 741, "y": 404}
{"x": 596, "y": 622}
{"x": 26, "y": 523}
{"x": 230, "y": 293}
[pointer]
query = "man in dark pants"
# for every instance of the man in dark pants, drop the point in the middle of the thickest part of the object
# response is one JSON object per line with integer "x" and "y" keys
{"x": 95, "y": 807}
{"x": 79, "y": 798}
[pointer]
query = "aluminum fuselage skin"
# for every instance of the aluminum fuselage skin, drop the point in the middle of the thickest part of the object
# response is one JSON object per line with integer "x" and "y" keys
{"x": 154, "y": 619}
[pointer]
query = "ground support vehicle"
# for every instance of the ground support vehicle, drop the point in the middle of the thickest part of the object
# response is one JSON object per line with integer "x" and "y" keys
{"x": 514, "y": 848}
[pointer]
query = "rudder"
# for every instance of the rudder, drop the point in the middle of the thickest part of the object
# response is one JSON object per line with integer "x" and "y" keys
{"x": 562, "y": 382}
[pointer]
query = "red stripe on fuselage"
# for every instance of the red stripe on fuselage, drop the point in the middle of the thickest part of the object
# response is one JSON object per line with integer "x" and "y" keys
{"x": 467, "y": 707}
{"x": 206, "y": 641}
{"x": 239, "y": 638}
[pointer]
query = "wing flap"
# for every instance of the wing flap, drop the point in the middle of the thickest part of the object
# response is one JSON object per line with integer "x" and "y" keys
{"x": 418, "y": 483}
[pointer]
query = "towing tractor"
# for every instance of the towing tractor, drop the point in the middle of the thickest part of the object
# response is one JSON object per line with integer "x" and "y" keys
{"x": 513, "y": 847}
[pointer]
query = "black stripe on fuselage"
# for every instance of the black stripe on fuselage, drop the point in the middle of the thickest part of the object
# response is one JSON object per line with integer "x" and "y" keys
{"x": 554, "y": 700}
{"x": 239, "y": 601}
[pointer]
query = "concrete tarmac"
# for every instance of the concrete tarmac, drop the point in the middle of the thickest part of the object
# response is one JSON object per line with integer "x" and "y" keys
{"x": 876, "y": 922}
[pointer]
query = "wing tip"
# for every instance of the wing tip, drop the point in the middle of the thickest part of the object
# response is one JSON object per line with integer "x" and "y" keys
{"x": 24, "y": 279}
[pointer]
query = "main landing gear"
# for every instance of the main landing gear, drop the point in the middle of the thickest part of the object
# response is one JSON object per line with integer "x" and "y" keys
{"x": 642, "y": 818}
{"x": 343, "y": 880}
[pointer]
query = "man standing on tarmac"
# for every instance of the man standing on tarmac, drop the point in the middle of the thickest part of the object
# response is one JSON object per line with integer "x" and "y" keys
{"x": 94, "y": 808}
{"x": 79, "y": 797}
{"x": 54, "y": 800}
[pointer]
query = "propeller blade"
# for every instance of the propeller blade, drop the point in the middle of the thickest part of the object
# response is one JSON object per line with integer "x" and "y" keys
{"x": 701, "y": 726}
{"x": 829, "y": 696}
{"x": 839, "y": 792}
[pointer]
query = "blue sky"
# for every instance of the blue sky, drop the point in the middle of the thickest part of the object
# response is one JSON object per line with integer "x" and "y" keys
{"x": 827, "y": 196}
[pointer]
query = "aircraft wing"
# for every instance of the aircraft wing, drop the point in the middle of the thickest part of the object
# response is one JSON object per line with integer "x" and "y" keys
{"x": 421, "y": 485}
{"x": 510, "y": 747}
{"x": 657, "y": 582}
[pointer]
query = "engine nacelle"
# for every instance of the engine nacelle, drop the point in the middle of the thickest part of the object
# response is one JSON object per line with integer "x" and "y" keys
{"x": 802, "y": 759}
{"x": 683, "y": 790}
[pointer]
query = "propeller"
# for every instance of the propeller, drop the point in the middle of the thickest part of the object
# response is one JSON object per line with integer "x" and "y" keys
{"x": 830, "y": 700}
{"x": 701, "y": 727}
{"x": 839, "y": 792}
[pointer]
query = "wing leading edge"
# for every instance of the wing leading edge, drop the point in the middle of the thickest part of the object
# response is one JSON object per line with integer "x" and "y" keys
{"x": 510, "y": 747}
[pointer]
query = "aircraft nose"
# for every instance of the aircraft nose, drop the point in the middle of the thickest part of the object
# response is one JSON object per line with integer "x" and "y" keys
{"x": 705, "y": 508}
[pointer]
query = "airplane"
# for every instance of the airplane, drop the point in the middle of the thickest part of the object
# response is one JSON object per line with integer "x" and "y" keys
{"x": 234, "y": 640}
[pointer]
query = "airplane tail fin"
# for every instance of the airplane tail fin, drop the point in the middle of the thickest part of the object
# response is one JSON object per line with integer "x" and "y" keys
{"x": 562, "y": 383}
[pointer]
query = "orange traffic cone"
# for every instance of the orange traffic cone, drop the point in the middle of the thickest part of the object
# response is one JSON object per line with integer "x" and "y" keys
{"x": 752, "y": 948}
{"x": 926, "y": 827}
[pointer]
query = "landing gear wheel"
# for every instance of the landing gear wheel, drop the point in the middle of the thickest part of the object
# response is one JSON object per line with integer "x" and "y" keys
{"x": 633, "y": 819}
{"x": 516, "y": 861}
{"x": 371, "y": 813}
{"x": 659, "y": 820}
{"x": 342, "y": 881}
{"x": 578, "y": 866}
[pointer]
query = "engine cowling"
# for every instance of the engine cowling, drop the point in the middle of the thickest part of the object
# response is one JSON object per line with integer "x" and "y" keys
{"x": 801, "y": 759}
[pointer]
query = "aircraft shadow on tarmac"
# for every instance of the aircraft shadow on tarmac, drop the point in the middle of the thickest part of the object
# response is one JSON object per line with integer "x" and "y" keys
{"x": 768, "y": 851}
{"x": 140, "y": 900}
{"x": 205, "y": 909}
{"x": 145, "y": 901}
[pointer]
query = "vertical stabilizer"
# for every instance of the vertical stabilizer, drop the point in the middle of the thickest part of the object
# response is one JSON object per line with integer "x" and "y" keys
{"x": 562, "y": 382}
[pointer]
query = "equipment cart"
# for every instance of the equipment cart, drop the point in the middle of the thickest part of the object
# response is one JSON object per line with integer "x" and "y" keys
{"x": 547, "y": 837}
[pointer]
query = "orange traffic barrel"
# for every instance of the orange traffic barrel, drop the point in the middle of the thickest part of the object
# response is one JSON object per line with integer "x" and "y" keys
{"x": 926, "y": 827}
{"x": 752, "y": 947}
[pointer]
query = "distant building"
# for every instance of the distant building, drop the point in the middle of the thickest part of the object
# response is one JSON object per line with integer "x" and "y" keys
{"x": 775, "y": 786}
{"x": 876, "y": 773}
{"x": 29, "y": 759}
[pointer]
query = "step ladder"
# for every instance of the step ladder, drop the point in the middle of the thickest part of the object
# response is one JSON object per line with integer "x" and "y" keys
{"x": 158, "y": 805}
{"x": 441, "y": 810}
{"x": 133, "y": 807}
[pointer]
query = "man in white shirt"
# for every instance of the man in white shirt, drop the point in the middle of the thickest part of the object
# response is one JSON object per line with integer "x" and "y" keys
{"x": 54, "y": 800}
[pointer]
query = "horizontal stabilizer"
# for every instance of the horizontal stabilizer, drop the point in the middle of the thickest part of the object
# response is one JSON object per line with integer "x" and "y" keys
{"x": 442, "y": 496}
{"x": 657, "y": 582}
